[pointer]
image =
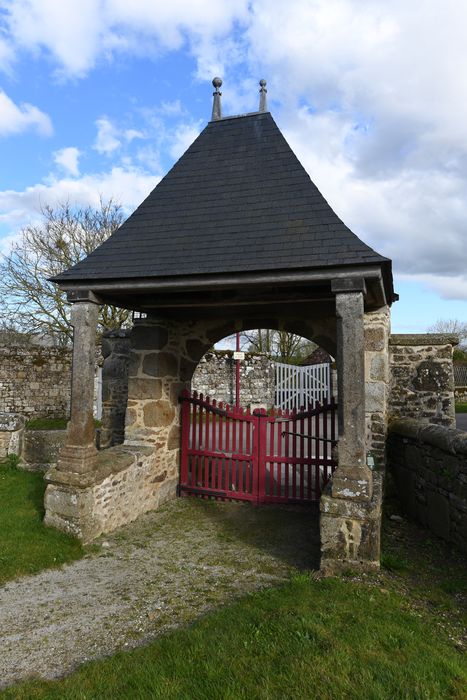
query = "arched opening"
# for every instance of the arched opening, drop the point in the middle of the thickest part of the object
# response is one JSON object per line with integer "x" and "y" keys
{"x": 239, "y": 444}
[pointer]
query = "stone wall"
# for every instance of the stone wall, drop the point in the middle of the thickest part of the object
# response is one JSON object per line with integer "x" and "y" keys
{"x": 429, "y": 464}
{"x": 116, "y": 354}
{"x": 377, "y": 329}
{"x": 215, "y": 377}
{"x": 421, "y": 378}
{"x": 35, "y": 381}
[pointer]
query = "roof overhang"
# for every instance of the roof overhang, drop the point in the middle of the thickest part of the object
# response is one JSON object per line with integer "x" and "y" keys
{"x": 181, "y": 294}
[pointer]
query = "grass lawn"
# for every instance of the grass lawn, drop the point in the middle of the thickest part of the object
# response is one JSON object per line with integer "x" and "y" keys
{"x": 461, "y": 407}
{"x": 396, "y": 634}
{"x": 26, "y": 545}
{"x": 326, "y": 639}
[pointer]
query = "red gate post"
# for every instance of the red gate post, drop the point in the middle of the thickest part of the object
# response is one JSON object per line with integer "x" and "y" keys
{"x": 261, "y": 429}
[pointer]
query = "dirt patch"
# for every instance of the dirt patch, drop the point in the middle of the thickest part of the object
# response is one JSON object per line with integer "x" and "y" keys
{"x": 161, "y": 572}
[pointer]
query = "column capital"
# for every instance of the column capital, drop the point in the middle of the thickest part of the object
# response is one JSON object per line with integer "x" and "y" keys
{"x": 75, "y": 296}
{"x": 347, "y": 285}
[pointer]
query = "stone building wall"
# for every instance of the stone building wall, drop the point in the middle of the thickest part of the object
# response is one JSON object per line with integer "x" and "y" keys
{"x": 429, "y": 464}
{"x": 116, "y": 354}
{"x": 215, "y": 377}
{"x": 377, "y": 329}
{"x": 421, "y": 378}
{"x": 35, "y": 381}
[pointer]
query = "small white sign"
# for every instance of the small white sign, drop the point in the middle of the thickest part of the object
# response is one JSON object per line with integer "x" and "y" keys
{"x": 238, "y": 355}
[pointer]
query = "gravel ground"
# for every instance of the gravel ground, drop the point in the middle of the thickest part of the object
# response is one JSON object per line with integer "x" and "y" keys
{"x": 161, "y": 572}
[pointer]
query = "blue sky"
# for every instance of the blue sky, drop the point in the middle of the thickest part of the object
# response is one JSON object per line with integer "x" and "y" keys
{"x": 100, "y": 97}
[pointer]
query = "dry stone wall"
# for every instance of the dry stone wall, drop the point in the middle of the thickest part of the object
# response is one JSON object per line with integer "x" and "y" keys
{"x": 422, "y": 380}
{"x": 35, "y": 381}
{"x": 215, "y": 377}
{"x": 429, "y": 464}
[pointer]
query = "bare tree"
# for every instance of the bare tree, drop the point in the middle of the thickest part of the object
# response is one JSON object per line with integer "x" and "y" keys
{"x": 29, "y": 302}
{"x": 279, "y": 345}
{"x": 451, "y": 325}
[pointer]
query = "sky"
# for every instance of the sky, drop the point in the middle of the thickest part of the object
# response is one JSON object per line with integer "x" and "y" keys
{"x": 98, "y": 98}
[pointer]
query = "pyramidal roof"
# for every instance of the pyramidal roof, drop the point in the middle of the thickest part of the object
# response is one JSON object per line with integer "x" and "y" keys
{"x": 238, "y": 200}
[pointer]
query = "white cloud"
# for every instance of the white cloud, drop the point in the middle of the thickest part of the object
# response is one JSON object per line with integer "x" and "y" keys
{"x": 107, "y": 140}
{"x": 450, "y": 288}
{"x": 128, "y": 186}
{"x": 183, "y": 137}
{"x": 67, "y": 158}
{"x": 109, "y": 136}
{"x": 6, "y": 56}
{"x": 15, "y": 119}
{"x": 78, "y": 33}
{"x": 70, "y": 31}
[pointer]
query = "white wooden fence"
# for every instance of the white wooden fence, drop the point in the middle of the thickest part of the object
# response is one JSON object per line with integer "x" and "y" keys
{"x": 299, "y": 386}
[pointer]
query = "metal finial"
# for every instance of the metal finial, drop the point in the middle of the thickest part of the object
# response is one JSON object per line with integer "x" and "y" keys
{"x": 216, "y": 105}
{"x": 263, "y": 105}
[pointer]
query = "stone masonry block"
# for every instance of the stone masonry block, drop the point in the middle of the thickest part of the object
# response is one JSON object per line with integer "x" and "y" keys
{"x": 375, "y": 396}
{"x": 149, "y": 337}
{"x": 158, "y": 414}
{"x": 160, "y": 364}
{"x": 375, "y": 338}
{"x": 145, "y": 388}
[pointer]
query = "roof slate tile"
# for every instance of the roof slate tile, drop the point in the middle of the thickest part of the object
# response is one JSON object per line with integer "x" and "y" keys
{"x": 237, "y": 200}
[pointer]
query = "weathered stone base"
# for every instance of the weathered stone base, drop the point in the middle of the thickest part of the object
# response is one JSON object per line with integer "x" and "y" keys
{"x": 128, "y": 482}
{"x": 350, "y": 531}
{"x": 41, "y": 448}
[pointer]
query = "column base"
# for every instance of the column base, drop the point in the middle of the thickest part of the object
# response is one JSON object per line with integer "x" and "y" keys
{"x": 352, "y": 483}
{"x": 350, "y": 531}
{"x": 77, "y": 459}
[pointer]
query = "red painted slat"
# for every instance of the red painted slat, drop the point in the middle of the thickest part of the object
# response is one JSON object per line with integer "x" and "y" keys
{"x": 317, "y": 492}
{"x": 230, "y": 454}
{"x": 302, "y": 454}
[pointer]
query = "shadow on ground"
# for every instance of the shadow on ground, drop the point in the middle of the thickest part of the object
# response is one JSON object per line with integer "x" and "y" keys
{"x": 286, "y": 532}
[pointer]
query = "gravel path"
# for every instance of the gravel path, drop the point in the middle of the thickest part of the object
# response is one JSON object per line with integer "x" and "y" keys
{"x": 161, "y": 572}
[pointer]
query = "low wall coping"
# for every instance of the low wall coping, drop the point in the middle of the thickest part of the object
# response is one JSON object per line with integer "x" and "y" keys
{"x": 447, "y": 439}
{"x": 10, "y": 422}
{"x": 419, "y": 339}
{"x": 109, "y": 462}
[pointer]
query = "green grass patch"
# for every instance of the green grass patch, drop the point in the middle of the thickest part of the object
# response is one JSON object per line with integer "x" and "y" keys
{"x": 393, "y": 562}
{"x": 47, "y": 424}
{"x": 461, "y": 407}
{"x": 327, "y": 639}
{"x": 26, "y": 545}
{"x": 52, "y": 423}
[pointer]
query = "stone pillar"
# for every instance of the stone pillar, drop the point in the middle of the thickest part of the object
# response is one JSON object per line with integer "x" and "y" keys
{"x": 78, "y": 454}
{"x": 352, "y": 478}
{"x": 350, "y": 507}
{"x": 116, "y": 353}
{"x": 377, "y": 327}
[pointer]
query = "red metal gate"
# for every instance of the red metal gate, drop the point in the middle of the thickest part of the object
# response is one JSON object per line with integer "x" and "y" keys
{"x": 231, "y": 453}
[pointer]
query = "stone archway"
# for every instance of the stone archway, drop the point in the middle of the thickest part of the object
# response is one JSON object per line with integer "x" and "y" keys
{"x": 235, "y": 230}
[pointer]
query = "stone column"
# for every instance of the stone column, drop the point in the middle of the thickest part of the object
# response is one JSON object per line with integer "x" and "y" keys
{"x": 352, "y": 479}
{"x": 350, "y": 507}
{"x": 79, "y": 452}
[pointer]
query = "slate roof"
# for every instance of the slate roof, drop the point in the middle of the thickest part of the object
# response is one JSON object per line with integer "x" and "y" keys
{"x": 238, "y": 200}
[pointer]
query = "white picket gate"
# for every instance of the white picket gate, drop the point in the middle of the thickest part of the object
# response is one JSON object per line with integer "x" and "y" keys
{"x": 300, "y": 386}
